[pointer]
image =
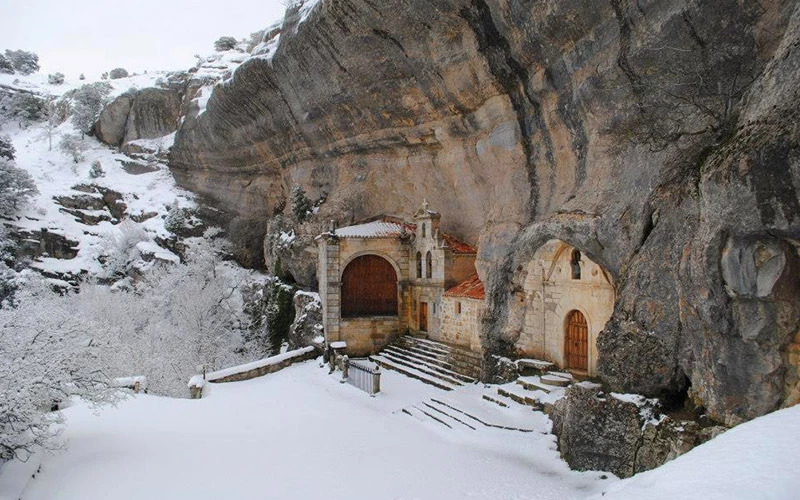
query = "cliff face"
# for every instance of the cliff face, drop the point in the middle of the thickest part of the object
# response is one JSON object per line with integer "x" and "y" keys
{"x": 658, "y": 137}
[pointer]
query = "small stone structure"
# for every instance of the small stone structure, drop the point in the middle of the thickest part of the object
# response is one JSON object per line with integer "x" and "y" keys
{"x": 386, "y": 276}
{"x": 565, "y": 303}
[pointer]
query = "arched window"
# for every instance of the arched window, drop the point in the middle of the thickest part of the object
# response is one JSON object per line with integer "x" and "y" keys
{"x": 428, "y": 266}
{"x": 575, "y": 264}
{"x": 423, "y": 229}
{"x": 419, "y": 264}
{"x": 369, "y": 288}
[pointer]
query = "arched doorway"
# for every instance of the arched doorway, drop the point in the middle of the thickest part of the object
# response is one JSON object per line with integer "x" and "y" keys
{"x": 576, "y": 343}
{"x": 369, "y": 288}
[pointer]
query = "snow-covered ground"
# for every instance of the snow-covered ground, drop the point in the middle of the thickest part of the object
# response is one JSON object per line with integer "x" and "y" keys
{"x": 297, "y": 433}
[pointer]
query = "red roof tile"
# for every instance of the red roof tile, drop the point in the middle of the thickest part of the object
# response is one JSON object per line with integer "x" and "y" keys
{"x": 471, "y": 288}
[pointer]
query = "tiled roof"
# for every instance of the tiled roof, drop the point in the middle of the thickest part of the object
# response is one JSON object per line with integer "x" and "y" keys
{"x": 390, "y": 227}
{"x": 374, "y": 229}
{"x": 471, "y": 288}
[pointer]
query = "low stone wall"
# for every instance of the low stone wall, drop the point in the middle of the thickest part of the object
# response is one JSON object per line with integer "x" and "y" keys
{"x": 251, "y": 370}
{"x": 368, "y": 335}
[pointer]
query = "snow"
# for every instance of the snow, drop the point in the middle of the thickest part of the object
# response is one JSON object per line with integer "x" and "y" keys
{"x": 197, "y": 380}
{"x": 756, "y": 460}
{"x": 339, "y": 344}
{"x": 131, "y": 381}
{"x": 297, "y": 433}
{"x": 151, "y": 249}
{"x": 375, "y": 229}
{"x": 55, "y": 175}
{"x": 38, "y": 83}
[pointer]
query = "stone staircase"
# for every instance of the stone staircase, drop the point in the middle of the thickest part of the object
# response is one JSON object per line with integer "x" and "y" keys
{"x": 539, "y": 392}
{"x": 431, "y": 362}
{"x": 451, "y": 416}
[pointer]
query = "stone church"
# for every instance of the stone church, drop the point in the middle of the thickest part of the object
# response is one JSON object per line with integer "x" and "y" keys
{"x": 387, "y": 276}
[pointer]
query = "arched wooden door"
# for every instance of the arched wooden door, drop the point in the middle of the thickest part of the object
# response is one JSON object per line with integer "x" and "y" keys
{"x": 576, "y": 344}
{"x": 369, "y": 288}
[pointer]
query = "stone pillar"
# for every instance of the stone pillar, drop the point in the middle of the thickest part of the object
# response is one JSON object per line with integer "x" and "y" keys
{"x": 329, "y": 285}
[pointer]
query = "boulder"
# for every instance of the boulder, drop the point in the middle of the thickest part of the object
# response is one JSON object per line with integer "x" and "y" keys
{"x": 110, "y": 127}
{"x": 154, "y": 113}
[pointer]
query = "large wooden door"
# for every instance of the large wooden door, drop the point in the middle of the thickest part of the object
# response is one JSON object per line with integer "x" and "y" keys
{"x": 369, "y": 288}
{"x": 423, "y": 316}
{"x": 577, "y": 342}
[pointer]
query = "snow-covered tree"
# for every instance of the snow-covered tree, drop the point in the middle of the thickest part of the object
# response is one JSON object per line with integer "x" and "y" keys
{"x": 46, "y": 357}
{"x": 7, "y": 150}
{"x": 301, "y": 205}
{"x": 118, "y": 73}
{"x": 6, "y": 66}
{"x": 16, "y": 187}
{"x": 120, "y": 248}
{"x": 82, "y": 77}
{"x": 73, "y": 146}
{"x": 225, "y": 43}
{"x": 176, "y": 219}
{"x": 88, "y": 102}
{"x": 96, "y": 170}
{"x": 24, "y": 62}
{"x": 55, "y": 78}
{"x": 26, "y": 107}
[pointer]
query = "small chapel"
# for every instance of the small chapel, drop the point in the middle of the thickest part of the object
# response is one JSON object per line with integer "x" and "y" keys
{"x": 387, "y": 276}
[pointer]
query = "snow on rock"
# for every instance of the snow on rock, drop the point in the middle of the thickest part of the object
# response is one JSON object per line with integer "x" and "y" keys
{"x": 758, "y": 459}
{"x": 374, "y": 229}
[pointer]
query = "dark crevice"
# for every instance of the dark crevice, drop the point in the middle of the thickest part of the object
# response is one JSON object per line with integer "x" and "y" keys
{"x": 512, "y": 77}
{"x": 625, "y": 28}
{"x": 389, "y": 38}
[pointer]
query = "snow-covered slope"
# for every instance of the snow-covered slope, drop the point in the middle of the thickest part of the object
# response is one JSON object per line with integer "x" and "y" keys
{"x": 145, "y": 184}
{"x": 756, "y": 460}
{"x": 297, "y": 433}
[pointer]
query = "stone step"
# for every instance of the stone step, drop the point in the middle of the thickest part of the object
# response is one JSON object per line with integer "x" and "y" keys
{"x": 533, "y": 384}
{"x": 566, "y": 375}
{"x": 413, "y": 373}
{"x": 422, "y": 416}
{"x": 499, "y": 400}
{"x": 555, "y": 380}
{"x": 421, "y": 355}
{"x": 520, "y": 396}
{"x": 535, "y": 364}
{"x": 425, "y": 364}
{"x": 431, "y": 351}
{"x": 446, "y": 412}
{"x": 433, "y": 371}
{"x": 486, "y": 420}
{"x": 432, "y": 344}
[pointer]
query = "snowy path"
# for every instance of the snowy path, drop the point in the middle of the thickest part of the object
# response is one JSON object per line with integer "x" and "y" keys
{"x": 299, "y": 433}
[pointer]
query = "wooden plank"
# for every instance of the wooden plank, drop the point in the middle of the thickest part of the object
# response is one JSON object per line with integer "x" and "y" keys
{"x": 369, "y": 288}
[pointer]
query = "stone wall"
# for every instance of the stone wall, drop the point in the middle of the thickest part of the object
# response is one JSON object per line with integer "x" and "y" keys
{"x": 462, "y": 328}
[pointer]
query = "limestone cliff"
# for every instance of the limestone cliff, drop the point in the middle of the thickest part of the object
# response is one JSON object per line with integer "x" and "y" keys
{"x": 658, "y": 137}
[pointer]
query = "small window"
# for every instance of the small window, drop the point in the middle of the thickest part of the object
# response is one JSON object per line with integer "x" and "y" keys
{"x": 419, "y": 264}
{"x": 428, "y": 266}
{"x": 575, "y": 264}
{"x": 434, "y": 308}
{"x": 458, "y": 307}
{"x": 423, "y": 229}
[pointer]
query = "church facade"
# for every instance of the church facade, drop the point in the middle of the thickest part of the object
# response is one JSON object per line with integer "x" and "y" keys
{"x": 387, "y": 276}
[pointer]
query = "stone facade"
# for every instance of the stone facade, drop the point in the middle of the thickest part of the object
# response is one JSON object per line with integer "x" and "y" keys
{"x": 554, "y": 287}
{"x": 426, "y": 262}
{"x": 461, "y": 321}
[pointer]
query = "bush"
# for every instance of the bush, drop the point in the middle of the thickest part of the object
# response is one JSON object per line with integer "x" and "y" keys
{"x": 225, "y": 43}
{"x": 6, "y": 66}
{"x": 23, "y": 61}
{"x": 7, "y": 150}
{"x": 55, "y": 78}
{"x": 73, "y": 146}
{"x": 16, "y": 187}
{"x": 88, "y": 102}
{"x": 96, "y": 170}
{"x": 301, "y": 205}
{"x": 118, "y": 73}
{"x": 82, "y": 77}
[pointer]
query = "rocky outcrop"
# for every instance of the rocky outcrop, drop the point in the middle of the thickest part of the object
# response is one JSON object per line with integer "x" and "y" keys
{"x": 621, "y": 433}
{"x": 656, "y": 137}
{"x": 306, "y": 328}
{"x": 144, "y": 114}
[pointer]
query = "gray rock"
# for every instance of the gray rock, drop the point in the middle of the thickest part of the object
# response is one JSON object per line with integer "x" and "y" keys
{"x": 110, "y": 127}
{"x": 154, "y": 113}
{"x": 307, "y": 324}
